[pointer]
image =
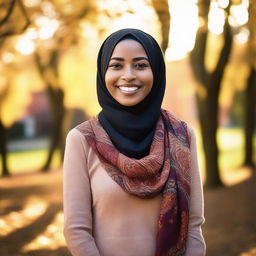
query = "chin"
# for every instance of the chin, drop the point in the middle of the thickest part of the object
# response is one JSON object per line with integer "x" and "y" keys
{"x": 128, "y": 104}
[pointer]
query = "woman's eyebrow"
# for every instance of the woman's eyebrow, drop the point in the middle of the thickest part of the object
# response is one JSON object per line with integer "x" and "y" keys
{"x": 134, "y": 59}
{"x": 140, "y": 58}
{"x": 117, "y": 58}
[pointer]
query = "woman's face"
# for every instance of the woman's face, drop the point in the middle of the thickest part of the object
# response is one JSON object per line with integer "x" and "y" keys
{"x": 129, "y": 77}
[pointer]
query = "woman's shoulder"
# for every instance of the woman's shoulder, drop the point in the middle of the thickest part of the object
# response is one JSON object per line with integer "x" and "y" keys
{"x": 179, "y": 124}
{"x": 84, "y": 128}
{"x": 174, "y": 120}
{"x": 80, "y": 130}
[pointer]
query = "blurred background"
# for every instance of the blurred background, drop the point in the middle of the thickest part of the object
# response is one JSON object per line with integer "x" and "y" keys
{"x": 48, "y": 51}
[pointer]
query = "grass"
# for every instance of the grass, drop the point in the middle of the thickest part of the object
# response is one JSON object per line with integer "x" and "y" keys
{"x": 30, "y": 161}
{"x": 230, "y": 142}
{"x": 231, "y": 147}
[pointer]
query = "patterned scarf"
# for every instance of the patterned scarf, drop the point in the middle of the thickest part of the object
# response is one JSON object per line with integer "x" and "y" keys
{"x": 165, "y": 170}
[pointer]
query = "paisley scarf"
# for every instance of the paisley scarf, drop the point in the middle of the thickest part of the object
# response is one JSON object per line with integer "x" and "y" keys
{"x": 165, "y": 170}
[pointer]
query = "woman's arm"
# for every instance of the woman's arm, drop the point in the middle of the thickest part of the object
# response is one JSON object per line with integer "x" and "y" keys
{"x": 77, "y": 198}
{"x": 195, "y": 242}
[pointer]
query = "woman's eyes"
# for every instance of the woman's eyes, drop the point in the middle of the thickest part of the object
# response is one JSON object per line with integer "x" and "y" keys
{"x": 114, "y": 66}
{"x": 141, "y": 65}
{"x": 136, "y": 65}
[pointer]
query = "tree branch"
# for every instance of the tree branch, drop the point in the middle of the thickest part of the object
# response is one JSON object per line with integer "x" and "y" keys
{"x": 9, "y": 12}
{"x": 12, "y": 31}
{"x": 23, "y": 10}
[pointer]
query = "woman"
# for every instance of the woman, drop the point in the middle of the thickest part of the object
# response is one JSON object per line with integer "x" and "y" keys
{"x": 131, "y": 179}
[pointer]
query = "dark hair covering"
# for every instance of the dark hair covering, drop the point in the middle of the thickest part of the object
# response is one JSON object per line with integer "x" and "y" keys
{"x": 131, "y": 128}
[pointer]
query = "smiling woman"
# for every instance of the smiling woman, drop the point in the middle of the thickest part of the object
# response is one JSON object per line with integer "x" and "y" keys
{"x": 129, "y": 77}
{"x": 131, "y": 179}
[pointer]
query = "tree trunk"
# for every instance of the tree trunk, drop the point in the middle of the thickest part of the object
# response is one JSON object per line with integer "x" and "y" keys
{"x": 56, "y": 99}
{"x": 161, "y": 8}
{"x": 250, "y": 114}
{"x": 250, "y": 91}
{"x": 58, "y": 112}
{"x": 208, "y": 117}
{"x": 3, "y": 149}
{"x": 207, "y": 92}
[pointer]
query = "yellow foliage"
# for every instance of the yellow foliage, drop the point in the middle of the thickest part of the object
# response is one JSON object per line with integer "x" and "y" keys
{"x": 236, "y": 73}
{"x": 78, "y": 77}
{"x": 21, "y": 85}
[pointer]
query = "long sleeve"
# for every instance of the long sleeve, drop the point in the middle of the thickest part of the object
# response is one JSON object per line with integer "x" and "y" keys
{"x": 77, "y": 198}
{"x": 195, "y": 243}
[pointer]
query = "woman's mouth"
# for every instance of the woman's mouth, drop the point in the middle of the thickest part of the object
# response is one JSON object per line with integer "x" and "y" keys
{"x": 128, "y": 89}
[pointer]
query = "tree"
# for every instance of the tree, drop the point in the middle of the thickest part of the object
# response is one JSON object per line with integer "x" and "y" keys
{"x": 208, "y": 89}
{"x": 10, "y": 13}
{"x": 56, "y": 98}
{"x": 47, "y": 62}
{"x": 3, "y": 137}
{"x": 250, "y": 91}
{"x": 68, "y": 16}
{"x": 162, "y": 10}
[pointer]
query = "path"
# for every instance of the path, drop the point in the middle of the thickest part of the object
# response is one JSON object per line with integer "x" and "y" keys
{"x": 31, "y": 217}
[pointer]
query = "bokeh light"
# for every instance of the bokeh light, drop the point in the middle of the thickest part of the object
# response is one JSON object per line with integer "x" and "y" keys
{"x": 216, "y": 18}
{"x": 223, "y": 3}
{"x": 25, "y": 45}
{"x": 7, "y": 57}
{"x": 47, "y": 27}
{"x": 32, "y": 3}
{"x": 243, "y": 36}
{"x": 52, "y": 238}
{"x": 239, "y": 15}
{"x": 32, "y": 209}
{"x": 184, "y": 24}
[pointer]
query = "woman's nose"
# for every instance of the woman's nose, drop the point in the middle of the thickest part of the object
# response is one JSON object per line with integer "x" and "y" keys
{"x": 128, "y": 75}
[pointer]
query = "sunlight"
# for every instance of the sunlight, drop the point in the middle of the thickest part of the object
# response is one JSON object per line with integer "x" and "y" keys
{"x": 31, "y": 33}
{"x": 232, "y": 177}
{"x": 52, "y": 238}
{"x": 251, "y": 252}
{"x": 7, "y": 57}
{"x": 88, "y": 31}
{"x": 32, "y": 3}
{"x": 33, "y": 208}
{"x": 48, "y": 9}
{"x": 229, "y": 139}
{"x": 184, "y": 24}
{"x": 239, "y": 15}
{"x": 223, "y": 3}
{"x": 216, "y": 18}
{"x": 47, "y": 27}
{"x": 43, "y": 240}
{"x": 243, "y": 36}
{"x": 25, "y": 46}
{"x": 135, "y": 14}
{"x": 127, "y": 20}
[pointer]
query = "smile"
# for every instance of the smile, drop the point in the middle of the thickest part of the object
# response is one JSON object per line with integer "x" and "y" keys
{"x": 128, "y": 89}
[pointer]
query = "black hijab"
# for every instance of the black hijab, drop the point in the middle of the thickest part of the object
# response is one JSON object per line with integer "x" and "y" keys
{"x": 131, "y": 128}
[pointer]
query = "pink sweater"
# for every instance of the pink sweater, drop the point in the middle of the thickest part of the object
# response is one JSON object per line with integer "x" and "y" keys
{"x": 101, "y": 219}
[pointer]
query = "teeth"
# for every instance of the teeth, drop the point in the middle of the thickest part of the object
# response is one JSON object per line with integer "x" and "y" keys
{"x": 128, "y": 89}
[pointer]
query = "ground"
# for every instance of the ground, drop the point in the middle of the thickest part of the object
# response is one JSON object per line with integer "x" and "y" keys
{"x": 31, "y": 217}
